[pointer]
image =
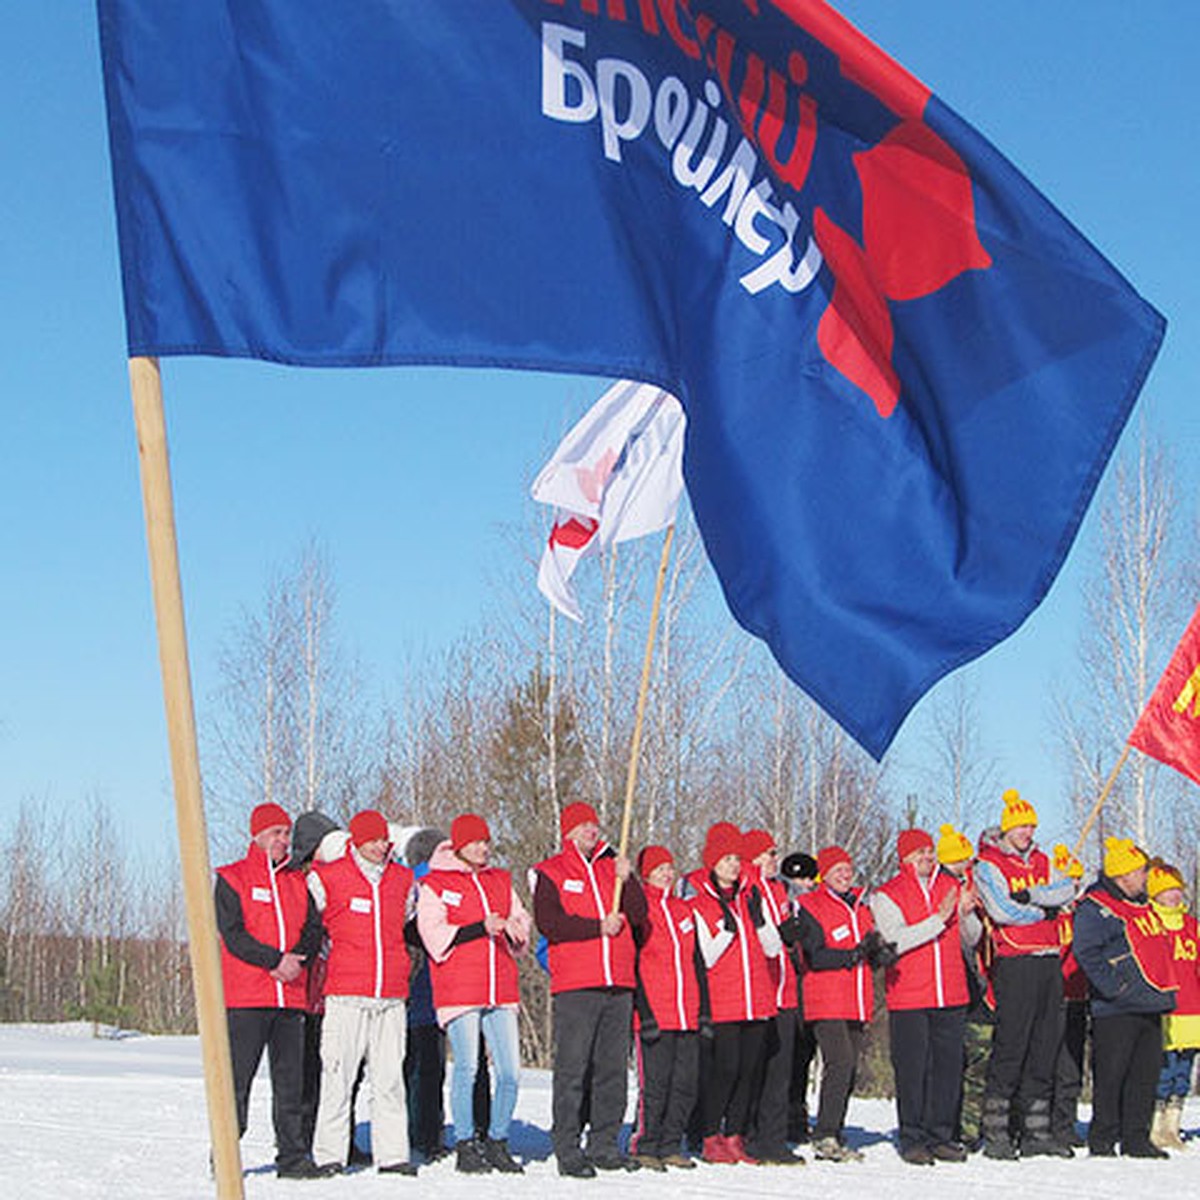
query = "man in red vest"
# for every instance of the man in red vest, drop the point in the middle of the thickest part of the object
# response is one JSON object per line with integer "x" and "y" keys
{"x": 929, "y": 917}
{"x": 591, "y": 985}
{"x": 1021, "y": 901}
{"x": 366, "y": 899}
{"x": 269, "y": 930}
{"x": 1125, "y": 953}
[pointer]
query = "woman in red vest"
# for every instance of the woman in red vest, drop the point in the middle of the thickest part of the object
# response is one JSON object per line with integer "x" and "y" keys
{"x": 666, "y": 1016}
{"x": 736, "y": 939}
{"x": 473, "y": 923}
{"x": 1123, "y": 949}
{"x": 837, "y": 932}
{"x": 923, "y": 912}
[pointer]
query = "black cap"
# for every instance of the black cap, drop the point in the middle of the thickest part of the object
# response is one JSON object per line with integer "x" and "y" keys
{"x": 798, "y": 865}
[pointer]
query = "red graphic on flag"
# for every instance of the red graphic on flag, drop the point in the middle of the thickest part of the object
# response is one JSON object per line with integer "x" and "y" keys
{"x": 575, "y": 533}
{"x": 1169, "y": 728}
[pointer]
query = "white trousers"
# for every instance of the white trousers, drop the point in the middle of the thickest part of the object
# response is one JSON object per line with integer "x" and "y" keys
{"x": 354, "y": 1028}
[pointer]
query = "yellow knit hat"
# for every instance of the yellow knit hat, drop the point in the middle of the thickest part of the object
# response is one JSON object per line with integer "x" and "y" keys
{"x": 1065, "y": 863}
{"x": 1017, "y": 811}
{"x": 952, "y": 846}
{"x": 1121, "y": 856}
{"x": 1162, "y": 877}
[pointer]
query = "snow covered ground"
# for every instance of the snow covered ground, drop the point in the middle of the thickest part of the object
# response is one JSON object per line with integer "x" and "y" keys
{"x": 81, "y": 1117}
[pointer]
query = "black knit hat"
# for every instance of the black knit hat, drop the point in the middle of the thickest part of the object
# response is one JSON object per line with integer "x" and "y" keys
{"x": 309, "y": 829}
{"x": 421, "y": 846}
{"x": 798, "y": 865}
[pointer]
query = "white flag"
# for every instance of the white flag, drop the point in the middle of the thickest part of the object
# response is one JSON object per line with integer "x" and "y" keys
{"x": 571, "y": 539}
{"x": 616, "y": 476}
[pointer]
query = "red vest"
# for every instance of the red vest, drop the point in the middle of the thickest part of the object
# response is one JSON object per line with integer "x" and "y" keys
{"x": 1148, "y": 939}
{"x": 782, "y": 970}
{"x": 934, "y": 974}
{"x": 666, "y": 962}
{"x": 847, "y": 993}
{"x": 481, "y": 973}
{"x": 365, "y": 923}
{"x": 586, "y": 889}
{"x": 1010, "y": 941}
{"x": 1184, "y": 945}
{"x": 274, "y": 907}
{"x": 1075, "y": 984}
{"x": 740, "y": 987}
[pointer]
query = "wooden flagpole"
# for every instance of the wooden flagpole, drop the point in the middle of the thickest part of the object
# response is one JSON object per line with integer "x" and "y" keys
{"x": 643, "y": 689}
{"x": 1108, "y": 786}
{"x": 146, "y": 388}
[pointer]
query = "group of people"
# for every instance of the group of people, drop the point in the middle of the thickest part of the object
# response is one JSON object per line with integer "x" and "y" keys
{"x": 723, "y": 983}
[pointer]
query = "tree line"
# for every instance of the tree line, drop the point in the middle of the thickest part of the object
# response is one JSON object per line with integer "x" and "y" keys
{"x": 530, "y": 712}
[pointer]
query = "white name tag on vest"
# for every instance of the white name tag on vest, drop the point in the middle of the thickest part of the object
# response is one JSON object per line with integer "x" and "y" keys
{"x": 452, "y": 899}
{"x": 685, "y": 926}
{"x": 360, "y": 904}
{"x": 263, "y": 895}
{"x": 841, "y": 933}
{"x": 573, "y": 885}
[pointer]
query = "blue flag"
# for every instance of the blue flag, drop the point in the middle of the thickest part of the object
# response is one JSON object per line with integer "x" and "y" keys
{"x": 903, "y": 369}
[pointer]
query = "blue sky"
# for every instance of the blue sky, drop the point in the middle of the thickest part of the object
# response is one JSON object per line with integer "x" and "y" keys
{"x": 410, "y": 476}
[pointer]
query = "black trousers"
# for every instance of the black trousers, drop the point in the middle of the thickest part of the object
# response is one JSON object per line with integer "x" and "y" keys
{"x": 591, "y": 1034}
{"x": 804, "y": 1052}
{"x": 669, "y": 1071}
{"x": 927, "y": 1060}
{"x": 770, "y": 1113}
{"x": 1028, "y": 991}
{"x": 738, "y": 1054}
{"x": 1126, "y": 1060}
{"x": 1068, "y": 1070}
{"x": 279, "y": 1031}
{"x": 840, "y": 1043}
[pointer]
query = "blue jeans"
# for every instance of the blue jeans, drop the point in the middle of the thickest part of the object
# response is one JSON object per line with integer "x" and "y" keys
{"x": 1175, "y": 1079}
{"x": 500, "y": 1032}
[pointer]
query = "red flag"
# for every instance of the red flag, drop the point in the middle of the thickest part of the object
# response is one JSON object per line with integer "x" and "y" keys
{"x": 1169, "y": 728}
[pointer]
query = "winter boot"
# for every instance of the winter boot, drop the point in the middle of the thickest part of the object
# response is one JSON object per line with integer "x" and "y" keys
{"x": 1174, "y": 1121}
{"x": 495, "y": 1151}
{"x": 997, "y": 1141}
{"x": 718, "y": 1150}
{"x": 1036, "y": 1137}
{"x": 1158, "y": 1127}
{"x": 830, "y": 1149}
{"x": 471, "y": 1159}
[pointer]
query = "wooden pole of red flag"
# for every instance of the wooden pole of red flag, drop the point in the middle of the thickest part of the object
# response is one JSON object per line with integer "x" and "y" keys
{"x": 1108, "y": 786}
{"x": 146, "y": 388}
{"x": 635, "y": 747}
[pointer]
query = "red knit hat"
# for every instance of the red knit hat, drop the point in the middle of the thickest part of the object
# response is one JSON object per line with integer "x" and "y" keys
{"x": 651, "y": 857}
{"x": 267, "y": 816}
{"x": 829, "y": 858}
{"x": 723, "y": 838}
{"x": 368, "y": 826}
{"x": 910, "y": 840}
{"x": 468, "y": 828}
{"x": 575, "y": 815}
{"x": 756, "y": 842}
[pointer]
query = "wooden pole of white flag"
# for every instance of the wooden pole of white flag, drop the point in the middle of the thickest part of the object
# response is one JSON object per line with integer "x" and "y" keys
{"x": 1108, "y": 786}
{"x": 643, "y": 689}
{"x": 146, "y": 388}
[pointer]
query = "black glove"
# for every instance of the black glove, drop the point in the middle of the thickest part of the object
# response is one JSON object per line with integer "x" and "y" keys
{"x": 1051, "y": 911}
{"x": 649, "y": 1030}
{"x": 798, "y": 866}
{"x": 789, "y": 930}
{"x": 855, "y": 956}
{"x": 876, "y": 951}
{"x": 1021, "y": 896}
{"x": 754, "y": 906}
